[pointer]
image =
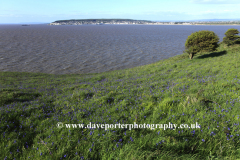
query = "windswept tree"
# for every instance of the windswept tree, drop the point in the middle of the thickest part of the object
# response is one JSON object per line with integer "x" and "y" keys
{"x": 201, "y": 41}
{"x": 232, "y": 37}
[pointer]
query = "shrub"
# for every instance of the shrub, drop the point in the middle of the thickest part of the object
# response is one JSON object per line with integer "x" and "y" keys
{"x": 231, "y": 37}
{"x": 201, "y": 41}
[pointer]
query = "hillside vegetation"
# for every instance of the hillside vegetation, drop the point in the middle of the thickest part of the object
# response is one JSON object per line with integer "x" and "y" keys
{"x": 204, "y": 90}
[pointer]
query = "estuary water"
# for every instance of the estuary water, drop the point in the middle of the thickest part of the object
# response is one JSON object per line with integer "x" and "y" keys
{"x": 68, "y": 49}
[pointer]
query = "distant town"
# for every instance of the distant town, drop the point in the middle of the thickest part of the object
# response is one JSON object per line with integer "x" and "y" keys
{"x": 137, "y": 22}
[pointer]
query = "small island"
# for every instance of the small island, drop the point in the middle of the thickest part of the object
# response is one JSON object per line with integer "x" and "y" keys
{"x": 137, "y": 22}
{"x": 99, "y": 21}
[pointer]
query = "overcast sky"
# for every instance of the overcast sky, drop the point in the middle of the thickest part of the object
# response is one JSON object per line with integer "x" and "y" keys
{"x": 17, "y": 11}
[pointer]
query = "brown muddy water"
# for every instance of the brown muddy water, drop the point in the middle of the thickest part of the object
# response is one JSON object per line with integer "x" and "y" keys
{"x": 91, "y": 48}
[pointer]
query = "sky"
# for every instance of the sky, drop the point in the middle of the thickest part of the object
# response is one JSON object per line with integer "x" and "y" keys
{"x": 47, "y": 11}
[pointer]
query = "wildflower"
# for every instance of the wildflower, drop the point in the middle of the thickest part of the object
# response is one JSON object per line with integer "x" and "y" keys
{"x": 131, "y": 139}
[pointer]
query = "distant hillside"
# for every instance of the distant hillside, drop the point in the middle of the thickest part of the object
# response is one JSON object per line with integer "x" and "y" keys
{"x": 101, "y": 20}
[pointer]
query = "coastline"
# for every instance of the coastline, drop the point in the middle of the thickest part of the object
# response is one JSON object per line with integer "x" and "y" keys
{"x": 148, "y": 24}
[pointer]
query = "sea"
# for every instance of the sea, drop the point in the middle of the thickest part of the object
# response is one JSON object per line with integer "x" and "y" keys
{"x": 80, "y": 49}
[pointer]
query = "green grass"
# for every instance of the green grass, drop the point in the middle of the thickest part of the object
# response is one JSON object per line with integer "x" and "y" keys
{"x": 176, "y": 90}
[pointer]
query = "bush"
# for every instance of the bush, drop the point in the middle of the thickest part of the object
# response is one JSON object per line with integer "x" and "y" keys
{"x": 201, "y": 41}
{"x": 231, "y": 37}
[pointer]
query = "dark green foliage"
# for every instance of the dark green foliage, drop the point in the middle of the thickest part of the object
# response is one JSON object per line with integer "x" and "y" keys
{"x": 231, "y": 37}
{"x": 201, "y": 41}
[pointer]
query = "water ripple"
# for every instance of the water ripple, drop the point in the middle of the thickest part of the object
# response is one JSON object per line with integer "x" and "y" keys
{"x": 89, "y": 48}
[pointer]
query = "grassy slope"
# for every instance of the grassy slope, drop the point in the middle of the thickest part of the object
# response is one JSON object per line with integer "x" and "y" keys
{"x": 177, "y": 90}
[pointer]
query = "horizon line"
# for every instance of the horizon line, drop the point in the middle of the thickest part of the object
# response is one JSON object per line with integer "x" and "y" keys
{"x": 128, "y": 19}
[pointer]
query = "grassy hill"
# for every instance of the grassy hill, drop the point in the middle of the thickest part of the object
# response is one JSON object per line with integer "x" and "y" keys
{"x": 177, "y": 90}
